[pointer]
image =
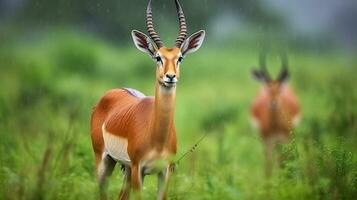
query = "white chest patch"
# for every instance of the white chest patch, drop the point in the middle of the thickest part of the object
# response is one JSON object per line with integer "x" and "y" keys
{"x": 296, "y": 120}
{"x": 116, "y": 147}
{"x": 254, "y": 122}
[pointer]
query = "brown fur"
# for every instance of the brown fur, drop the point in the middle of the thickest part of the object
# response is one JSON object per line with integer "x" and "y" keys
{"x": 132, "y": 118}
{"x": 280, "y": 120}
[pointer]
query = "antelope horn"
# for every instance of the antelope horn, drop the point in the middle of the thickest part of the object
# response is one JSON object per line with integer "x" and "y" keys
{"x": 150, "y": 27}
{"x": 284, "y": 61}
{"x": 262, "y": 63}
{"x": 284, "y": 72}
{"x": 182, "y": 25}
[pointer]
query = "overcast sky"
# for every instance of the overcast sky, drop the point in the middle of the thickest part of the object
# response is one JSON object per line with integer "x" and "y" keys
{"x": 312, "y": 15}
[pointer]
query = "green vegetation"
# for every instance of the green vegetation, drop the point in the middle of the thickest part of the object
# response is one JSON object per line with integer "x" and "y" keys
{"x": 49, "y": 85}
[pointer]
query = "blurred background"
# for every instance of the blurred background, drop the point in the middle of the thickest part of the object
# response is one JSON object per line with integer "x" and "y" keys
{"x": 57, "y": 58}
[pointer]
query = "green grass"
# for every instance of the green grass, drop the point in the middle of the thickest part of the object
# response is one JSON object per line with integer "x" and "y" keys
{"x": 49, "y": 85}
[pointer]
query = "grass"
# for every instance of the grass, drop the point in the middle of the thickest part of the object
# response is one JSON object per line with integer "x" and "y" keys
{"x": 49, "y": 85}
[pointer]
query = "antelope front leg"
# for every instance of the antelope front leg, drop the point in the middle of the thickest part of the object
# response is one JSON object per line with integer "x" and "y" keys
{"x": 268, "y": 150}
{"x": 125, "y": 190}
{"x": 163, "y": 181}
{"x": 136, "y": 180}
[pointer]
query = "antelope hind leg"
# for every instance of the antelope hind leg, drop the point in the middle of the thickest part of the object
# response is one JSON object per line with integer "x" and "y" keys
{"x": 104, "y": 170}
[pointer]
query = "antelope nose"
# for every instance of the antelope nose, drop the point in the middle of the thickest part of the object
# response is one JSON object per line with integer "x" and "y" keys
{"x": 170, "y": 76}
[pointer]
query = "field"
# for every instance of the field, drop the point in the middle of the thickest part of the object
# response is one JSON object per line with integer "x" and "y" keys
{"x": 50, "y": 84}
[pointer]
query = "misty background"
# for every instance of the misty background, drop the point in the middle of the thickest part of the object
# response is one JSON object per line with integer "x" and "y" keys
{"x": 311, "y": 23}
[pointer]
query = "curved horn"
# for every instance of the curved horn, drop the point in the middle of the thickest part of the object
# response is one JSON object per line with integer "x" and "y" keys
{"x": 284, "y": 72}
{"x": 150, "y": 27}
{"x": 262, "y": 63}
{"x": 284, "y": 61}
{"x": 182, "y": 25}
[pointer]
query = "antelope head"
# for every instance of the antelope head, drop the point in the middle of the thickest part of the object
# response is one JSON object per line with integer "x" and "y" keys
{"x": 167, "y": 59}
{"x": 273, "y": 86}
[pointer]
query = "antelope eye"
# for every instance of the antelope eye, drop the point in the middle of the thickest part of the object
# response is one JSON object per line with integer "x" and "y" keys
{"x": 180, "y": 59}
{"x": 158, "y": 59}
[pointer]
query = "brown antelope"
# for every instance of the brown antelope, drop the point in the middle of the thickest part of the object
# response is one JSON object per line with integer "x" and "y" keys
{"x": 138, "y": 131}
{"x": 275, "y": 110}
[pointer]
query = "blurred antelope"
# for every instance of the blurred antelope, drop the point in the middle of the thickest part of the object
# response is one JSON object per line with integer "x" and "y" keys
{"x": 275, "y": 110}
{"x": 138, "y": 131}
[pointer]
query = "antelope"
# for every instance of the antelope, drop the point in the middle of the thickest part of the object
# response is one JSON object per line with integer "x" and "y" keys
{"x": 137, "y": 131}
{"x": 275, "y": 110}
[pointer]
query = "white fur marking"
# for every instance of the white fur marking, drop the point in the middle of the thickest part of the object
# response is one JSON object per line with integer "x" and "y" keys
{"x": 116, "y": 147}
{"x": 167, "y": 90}
{"x": 135, "y": 93}
{"x": 254, "y": 122}
{"x": 101, "y": 167}
{"x": 296, "y": 120}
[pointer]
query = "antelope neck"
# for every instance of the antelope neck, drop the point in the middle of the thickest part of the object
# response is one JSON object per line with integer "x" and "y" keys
{"x": 164, "y": 110}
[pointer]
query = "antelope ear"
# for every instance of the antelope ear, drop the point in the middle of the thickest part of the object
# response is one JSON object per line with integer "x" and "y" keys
{"x": 259, "y": 76}
{"x": 193, "y": 43}
{"x": 143, "y": 43}
{"x": 284, "y": 75}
